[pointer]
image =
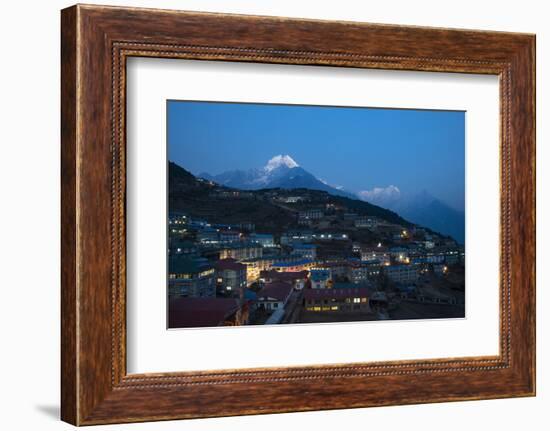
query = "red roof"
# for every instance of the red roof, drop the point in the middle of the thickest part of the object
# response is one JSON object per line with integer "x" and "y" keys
{"x": 279, "y": 291}
{"x": 200, "y": 312}
{"x": 284, "y": 276}
{"x": 230, "y": 264}
{"x": 345, "y": 292}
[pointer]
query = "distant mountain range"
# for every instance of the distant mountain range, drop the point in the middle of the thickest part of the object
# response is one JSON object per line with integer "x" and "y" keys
{"x": 281, "y": 171}
{"x": 204, "y": 198}
{"x": 421, "y": 208}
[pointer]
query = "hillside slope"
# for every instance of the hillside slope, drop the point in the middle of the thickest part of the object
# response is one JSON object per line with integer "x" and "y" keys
{"x": 203, "y": 198}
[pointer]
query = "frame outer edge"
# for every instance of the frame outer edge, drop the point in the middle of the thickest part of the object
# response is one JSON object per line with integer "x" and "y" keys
{"x": 527, "y": 60}
{"x": 69, "y": 197}
{"x": 523, "y": 216}
{"x": 88, "y": 397}
{"x": 533, "y": 54}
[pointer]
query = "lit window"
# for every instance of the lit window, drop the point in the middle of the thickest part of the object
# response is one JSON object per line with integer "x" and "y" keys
{"x": 356, "y": 300}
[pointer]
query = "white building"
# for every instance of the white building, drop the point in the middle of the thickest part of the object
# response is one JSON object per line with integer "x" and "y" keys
{"x": 264, "y": 239}
{"x": 374, "y": 255}
{"x": 274, "y": 296}
{"x": 306, "y": 251}
{"x": 320, "y": 278}
{"x": 402, "y": 273}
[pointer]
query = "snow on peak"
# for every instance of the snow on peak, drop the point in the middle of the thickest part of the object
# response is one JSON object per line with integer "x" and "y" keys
{"x": 280, "y": 160}
{"x": 380, "y": 193}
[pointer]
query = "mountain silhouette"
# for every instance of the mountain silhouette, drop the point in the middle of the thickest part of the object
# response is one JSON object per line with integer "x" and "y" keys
{"x": 421, "y": 208}
{"x": 281, "y": 171}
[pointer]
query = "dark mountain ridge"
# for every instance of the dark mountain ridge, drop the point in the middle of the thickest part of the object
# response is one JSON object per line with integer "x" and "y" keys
{"x": 426, "y": 210}
{"x": 205, "y": 198}
{"x": 280, "y": 172}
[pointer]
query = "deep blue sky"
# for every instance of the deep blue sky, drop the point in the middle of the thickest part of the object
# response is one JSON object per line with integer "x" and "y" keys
{"x": 357, "y": 148}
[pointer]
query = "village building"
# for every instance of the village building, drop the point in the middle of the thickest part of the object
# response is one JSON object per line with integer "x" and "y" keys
{"x": 298, "y": 279}
{"x": 229, "y": 236}
{"x": 359, "y": 271}
{"x": 206, "y": 312}
{"x": 274, "y": 296}
{"x": 354, "y": 299}
{"x": 338, "y": 268}
{"x": 177, "y": 246}
{"x": 246, "y": 226}
{"x": 310, "y": 214}
{"x": 400, "y": 254}
{"x": 190, "y": 278}
{"x": 299, "y": 236}
{"x": 208, "y": 235}
{"x": 378, "y": 254}
{"x": 320, "y": 278}
{"x": 241, "y": 251}
{"x": 264, "y": 239}
{"x": 230, "y": 277}
{"x": 364, "y": 222}
{"x": 306, "y": 251}
{"x": 402, "y": 273}
{"x": 254, "y": 267}
{"x": 440, "y": 269}
{"x": 294, "y": 266}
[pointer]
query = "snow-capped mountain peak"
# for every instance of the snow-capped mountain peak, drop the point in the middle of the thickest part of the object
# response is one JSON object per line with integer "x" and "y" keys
{"x": 281, "y": 171}
{"x": 280, "y": 160}
{"x": 380, "y": 194}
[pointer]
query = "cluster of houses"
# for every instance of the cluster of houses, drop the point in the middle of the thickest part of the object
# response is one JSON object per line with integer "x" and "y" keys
{"x": 229, "y": 274}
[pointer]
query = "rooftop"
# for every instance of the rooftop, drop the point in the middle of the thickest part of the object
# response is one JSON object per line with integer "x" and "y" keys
{"x": 284, "y": 276}
{"x": 345, "y": 292}
{"x": 242, "y": 244}
{"x": 229, "y": 264}
{"x": 412, "y": 267}
{"x": 277, "y": 290}
{"x": 186, "y": 266}
{"x": 347, "y": 285}
{"x": 320, "y": 274}
{"x": 200, "y": 312}
{"x": 296, "y": 263}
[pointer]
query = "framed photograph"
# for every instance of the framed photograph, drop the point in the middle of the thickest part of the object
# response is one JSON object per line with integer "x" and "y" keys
{"x": 266, "y": 215}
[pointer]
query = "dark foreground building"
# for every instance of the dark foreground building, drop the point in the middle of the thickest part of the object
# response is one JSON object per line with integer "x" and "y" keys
{"x": 206, "y": 312}
{"x": 347, "y": 299}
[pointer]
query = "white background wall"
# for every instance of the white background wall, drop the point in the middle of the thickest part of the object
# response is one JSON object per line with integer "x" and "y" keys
{"x": 29, "y": 216}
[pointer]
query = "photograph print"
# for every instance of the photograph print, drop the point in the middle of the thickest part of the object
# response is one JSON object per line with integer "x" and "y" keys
{"x": 296, "y": 214}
